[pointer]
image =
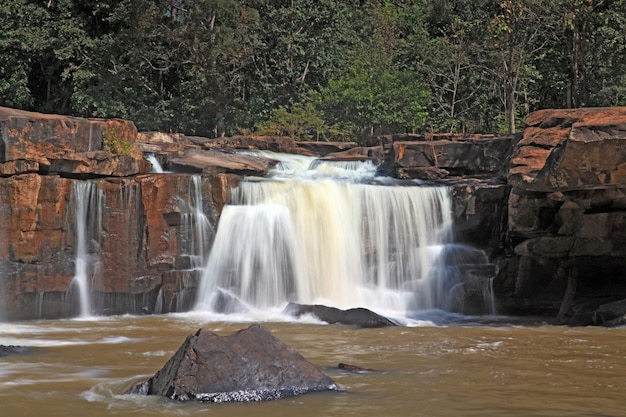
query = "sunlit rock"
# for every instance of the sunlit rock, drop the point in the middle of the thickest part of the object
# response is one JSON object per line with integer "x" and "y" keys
{"x": 567, "y": 215}
{"x": 571, "y": 149}
{"x": 50, "y": 143}
{"x": 198, "y": 161}
{"x": 249, "y": 365}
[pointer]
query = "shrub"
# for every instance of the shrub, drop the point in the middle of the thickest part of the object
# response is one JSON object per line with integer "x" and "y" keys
{"x": 116, "y": 143}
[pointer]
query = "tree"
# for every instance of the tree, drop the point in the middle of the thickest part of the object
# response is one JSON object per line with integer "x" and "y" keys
{"x": 457, "y": 68}
{"x": 594, "y": 29}
{"x": 375, "y": 101}
{"x": 41, "y": 45}
{"x": 607, "y": 56}
{"x": 302, "y": 45}
{"x": 17, "y": 46}
{"x": 518, "y": 34}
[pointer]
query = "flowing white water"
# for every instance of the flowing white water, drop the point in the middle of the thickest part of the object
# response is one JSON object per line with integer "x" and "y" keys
{"x": 87, "y": 200}
{"x": 197, "y": 225}
{"x": 328, "y": 232}
{"x": 156, "y": 165}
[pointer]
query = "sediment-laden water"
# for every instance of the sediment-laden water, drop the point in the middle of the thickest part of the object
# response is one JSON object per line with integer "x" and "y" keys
{"x": 80, "y": 368}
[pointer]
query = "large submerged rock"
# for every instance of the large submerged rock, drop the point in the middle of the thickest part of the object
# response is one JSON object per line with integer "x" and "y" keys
{"x": 249, "y": 365}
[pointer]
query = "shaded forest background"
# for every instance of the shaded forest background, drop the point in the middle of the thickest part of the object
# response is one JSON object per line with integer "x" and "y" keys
{"x": 317, "y": 69}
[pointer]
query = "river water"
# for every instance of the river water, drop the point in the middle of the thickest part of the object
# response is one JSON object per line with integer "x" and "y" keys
{"x": 470, "y": 368}
{"x": 321, "y": 232}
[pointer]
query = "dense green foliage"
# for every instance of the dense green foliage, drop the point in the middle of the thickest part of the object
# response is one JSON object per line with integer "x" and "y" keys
{"x": 319, "y": 69}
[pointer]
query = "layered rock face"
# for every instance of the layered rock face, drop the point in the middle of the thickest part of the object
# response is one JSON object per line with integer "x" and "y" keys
{"x": 567, "y": 214}
{"x": 440, "y": 156}
{"x": 140, "y": 242}
{"x": 43, "y": 143}
{"x": 141, "y": 246}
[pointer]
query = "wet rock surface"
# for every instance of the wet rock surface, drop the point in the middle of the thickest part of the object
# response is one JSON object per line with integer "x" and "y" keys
{"x": 249, "y": 365}
{"x": 360, "y": 317}
{"x": 13, "y": 350}
{"x": 354, "y": 368}
{"x": 140, "y": 248}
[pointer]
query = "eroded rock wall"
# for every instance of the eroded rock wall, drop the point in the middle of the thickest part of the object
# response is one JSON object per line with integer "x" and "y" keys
{"x": 47, "y": 143}
{"x": 567, "y": 215}
{"x": 139, "y": 240}
{"x": 138, "y": 254}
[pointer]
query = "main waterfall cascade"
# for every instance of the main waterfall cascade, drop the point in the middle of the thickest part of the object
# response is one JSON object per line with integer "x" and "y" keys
{"x": 87, "y": 200}
{"x": 334, "y": 233}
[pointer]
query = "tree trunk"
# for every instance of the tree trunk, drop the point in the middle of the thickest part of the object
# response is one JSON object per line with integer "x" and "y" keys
{"x": 578, "y": 79}
{"x": 510, "y": 87}
{"x": 510, "y": 108}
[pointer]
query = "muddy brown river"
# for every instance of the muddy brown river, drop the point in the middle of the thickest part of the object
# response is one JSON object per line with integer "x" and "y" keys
{"x": 82, "y": 367}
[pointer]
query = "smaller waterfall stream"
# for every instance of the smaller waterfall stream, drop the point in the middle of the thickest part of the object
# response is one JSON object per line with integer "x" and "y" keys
{"x": 156, "y": 165}
{"x": 87, "y": 200}
{"x": 197, "y": 224}
{"x": 196, "y": 235}
{"x": 331, "y": 233}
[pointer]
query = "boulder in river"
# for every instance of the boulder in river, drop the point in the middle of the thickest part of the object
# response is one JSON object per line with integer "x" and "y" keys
{"x": 360, "y": 317}
{"x": 13, "y": 350}
{"x": 249, "y": 365}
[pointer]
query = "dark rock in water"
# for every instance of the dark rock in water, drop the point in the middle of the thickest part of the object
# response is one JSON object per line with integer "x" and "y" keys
{"x": 227, "y": 303}
{"x": 360, "y": 317}
{"x": 249, "y": 365}
{"x": 13, "y": 350}
{"x": 611, "y": 314}
{"x": 353, "y": 368}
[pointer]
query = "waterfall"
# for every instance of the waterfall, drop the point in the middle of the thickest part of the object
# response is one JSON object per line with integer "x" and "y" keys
{"x": 156, "y": 165}
{"x": 86, "y": 201}
{"x": 196, "y": 225}
{"x": 332, "y": 233}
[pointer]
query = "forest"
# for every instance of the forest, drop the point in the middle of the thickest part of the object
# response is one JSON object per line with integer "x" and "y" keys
{"x": 313, "y": 69}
